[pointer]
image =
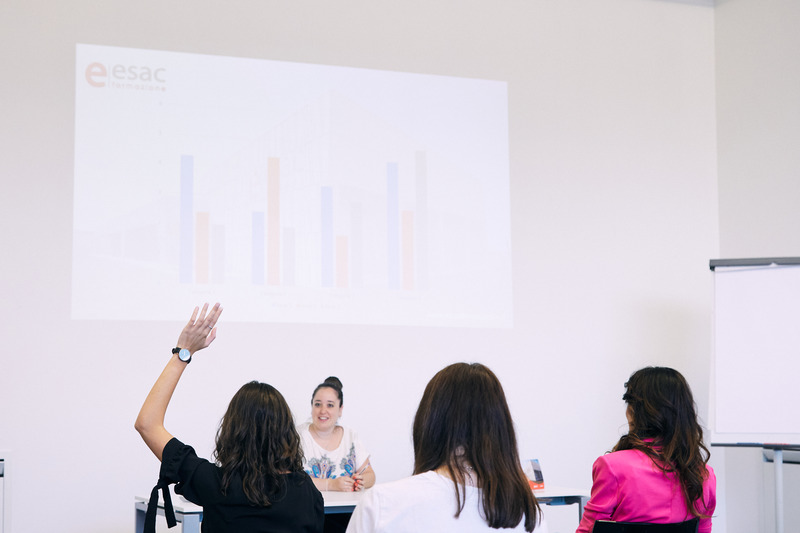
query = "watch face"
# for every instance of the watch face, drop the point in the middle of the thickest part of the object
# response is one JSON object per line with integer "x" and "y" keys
{"x": 184, "y": 355}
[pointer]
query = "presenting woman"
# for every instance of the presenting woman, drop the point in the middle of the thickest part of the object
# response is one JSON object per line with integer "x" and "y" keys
{"x": 467, "y": 472}
{"x": 258, "y": 483}
{"x": 657, "y": 472}
{"x": 335, "y": 458}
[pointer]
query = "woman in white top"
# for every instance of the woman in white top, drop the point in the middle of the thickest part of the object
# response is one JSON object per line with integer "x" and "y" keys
{"x": 467, "y": 472}
{"x": 335, "y": 457}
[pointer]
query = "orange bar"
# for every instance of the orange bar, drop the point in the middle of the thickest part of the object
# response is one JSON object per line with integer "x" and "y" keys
{"x": 342, "y": 273}
{"x": 202, "y": 246}
{"x": 273, "y": 221}
{"x": 408, "y": 250}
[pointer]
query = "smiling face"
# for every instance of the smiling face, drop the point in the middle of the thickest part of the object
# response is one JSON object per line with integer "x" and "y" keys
{"x": 325, "y": 409}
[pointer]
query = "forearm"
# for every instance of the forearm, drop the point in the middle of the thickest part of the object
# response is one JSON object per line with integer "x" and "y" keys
{"x": 321, "y": 483}
{"x": 197, "y": 334}
{"x": 150, "y": 422}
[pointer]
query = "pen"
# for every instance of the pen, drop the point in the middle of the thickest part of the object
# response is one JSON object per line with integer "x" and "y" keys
{"x": 363, "y": 467}
{"x": 360, "y": 471}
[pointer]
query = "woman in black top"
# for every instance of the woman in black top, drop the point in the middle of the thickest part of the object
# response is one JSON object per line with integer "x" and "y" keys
{"x": 258, "y": 483}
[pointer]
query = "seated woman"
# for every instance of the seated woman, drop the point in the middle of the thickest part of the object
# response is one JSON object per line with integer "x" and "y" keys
{"x": 258, "y": 483}
{"x": 467, "y": 472}
{"x": 657, "y": 472}
{"x": 335, "y": 458}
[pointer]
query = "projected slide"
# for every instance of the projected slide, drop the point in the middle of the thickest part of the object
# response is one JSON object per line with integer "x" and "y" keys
{"x": 289, "y": 192}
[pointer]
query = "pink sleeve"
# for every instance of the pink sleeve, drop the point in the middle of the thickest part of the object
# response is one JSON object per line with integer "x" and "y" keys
{"x": 710, "y": 498}
{"x": 604, "y": 496}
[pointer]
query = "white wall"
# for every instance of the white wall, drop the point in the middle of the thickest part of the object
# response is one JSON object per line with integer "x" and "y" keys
{"x": 614, "y": 219}
{"x": 758, "y": 76}
{"x": 758, "y": 131}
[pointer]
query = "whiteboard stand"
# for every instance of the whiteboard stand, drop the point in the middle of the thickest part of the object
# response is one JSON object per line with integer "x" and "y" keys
{"x": 773, "y": 453}
{"x": 780, "y": 454}
{"x": 778, "y": 490}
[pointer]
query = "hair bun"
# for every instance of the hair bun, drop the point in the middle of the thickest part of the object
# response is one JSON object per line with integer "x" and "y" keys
{"x": 334, "y": 381}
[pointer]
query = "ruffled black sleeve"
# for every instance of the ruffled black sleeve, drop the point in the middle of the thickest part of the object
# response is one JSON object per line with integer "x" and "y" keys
{"x": 171, "y": 459}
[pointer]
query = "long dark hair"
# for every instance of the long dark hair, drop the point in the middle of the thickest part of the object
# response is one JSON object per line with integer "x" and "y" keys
{"x": 258, "y": 441}
{"x": 665, "y": 427}
{"x": 463, "y": 422}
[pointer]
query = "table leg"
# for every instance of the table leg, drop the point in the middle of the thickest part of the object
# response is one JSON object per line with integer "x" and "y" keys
{"x": 140, "y": 514}
{"x": 190, "y": 523}
{"x": 581, "y": 502}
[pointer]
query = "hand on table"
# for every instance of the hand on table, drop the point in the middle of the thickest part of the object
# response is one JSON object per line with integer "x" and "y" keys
{"x": 342, "y": 484}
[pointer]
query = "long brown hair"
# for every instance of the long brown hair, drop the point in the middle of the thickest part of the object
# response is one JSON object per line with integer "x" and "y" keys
{"x": 665, "y": 427}
{"x": 463, "y": 421}
{"x": 258, "y": 441}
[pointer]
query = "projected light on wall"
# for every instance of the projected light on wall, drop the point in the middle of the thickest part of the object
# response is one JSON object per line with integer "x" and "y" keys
{"x": 272, "y": 255}
{"x": 290, "y": 192}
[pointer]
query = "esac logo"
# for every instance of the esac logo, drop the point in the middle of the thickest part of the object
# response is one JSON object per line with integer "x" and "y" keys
{"x": 126, "y": 77}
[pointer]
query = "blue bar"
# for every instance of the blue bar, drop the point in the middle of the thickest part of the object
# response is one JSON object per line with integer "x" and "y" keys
{"x": 186, "y": 219}
{"x": 288, "y": 257}
{"x": 327, "y": 236}
{"x": 258, "y": 248}
{"x": 393, "y": 225}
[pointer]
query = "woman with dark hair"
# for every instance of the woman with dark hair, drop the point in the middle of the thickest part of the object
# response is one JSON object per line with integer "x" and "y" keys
{"x": 658, "y": 471}
{"x": 467, "y": 472}
{"x": 258, "y": 483}
{"x": 335, "y": 457}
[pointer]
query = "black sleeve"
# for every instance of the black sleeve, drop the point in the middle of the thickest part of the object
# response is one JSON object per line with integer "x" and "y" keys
{"x": 179, "y": 464}
{"x": 172, "y": 470}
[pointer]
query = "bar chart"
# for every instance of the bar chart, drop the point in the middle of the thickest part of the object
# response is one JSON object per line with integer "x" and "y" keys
{"x": 273, "y": 261}
{"x": 292, "y": 193}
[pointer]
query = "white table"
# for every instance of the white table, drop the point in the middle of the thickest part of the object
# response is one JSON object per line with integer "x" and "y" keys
{"x": 563, "y": 496}
{"x": 189, "y": 515}
{"x": 340, "y": 502}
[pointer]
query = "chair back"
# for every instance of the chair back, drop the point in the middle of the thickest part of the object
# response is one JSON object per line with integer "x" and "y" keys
{"x": 607, "y": 526}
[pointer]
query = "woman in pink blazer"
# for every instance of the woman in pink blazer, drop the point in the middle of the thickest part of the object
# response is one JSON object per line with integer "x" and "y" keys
{"x": 657, "y": 472}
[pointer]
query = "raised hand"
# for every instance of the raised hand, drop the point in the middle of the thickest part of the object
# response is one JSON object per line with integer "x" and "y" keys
{"x": 201, "y": 329}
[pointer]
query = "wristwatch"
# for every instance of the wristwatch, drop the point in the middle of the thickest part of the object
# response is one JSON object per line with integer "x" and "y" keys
{"x": 183, "y": 354}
